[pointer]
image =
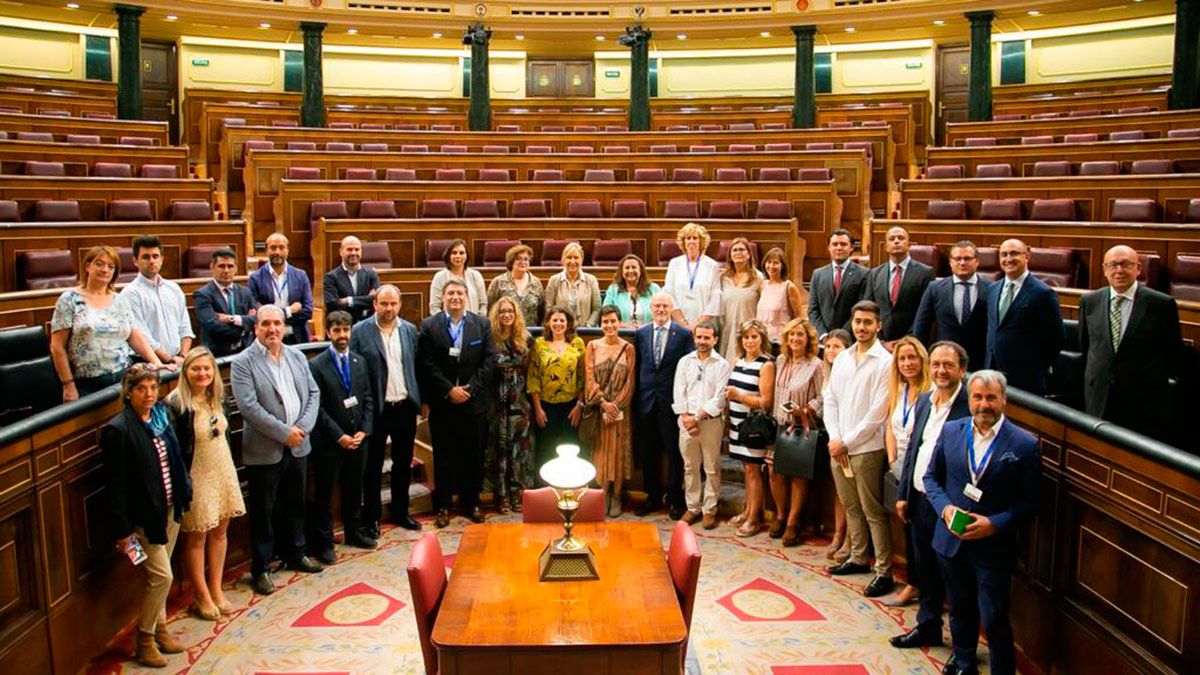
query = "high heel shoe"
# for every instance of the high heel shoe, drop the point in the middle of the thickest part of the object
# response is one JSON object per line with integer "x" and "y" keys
{"x": 205, "y": 613}
{"x": 835, "y": 546}
{"x": 614, "y": 505}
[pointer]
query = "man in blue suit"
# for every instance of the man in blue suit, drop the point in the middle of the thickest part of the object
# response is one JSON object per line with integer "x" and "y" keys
{"x": 1025, "y": 331}
{"x": 988, "y": 468}
{"x": 278, "y": 283}
{"x": 660, "y": 344}
{"x": 224, "y": 310}
{"x": 954, "y": 308}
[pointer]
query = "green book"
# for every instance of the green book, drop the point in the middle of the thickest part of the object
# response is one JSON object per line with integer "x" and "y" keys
{"x": 960, "y": 521}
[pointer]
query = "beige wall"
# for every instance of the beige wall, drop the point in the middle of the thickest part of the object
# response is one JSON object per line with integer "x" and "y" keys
{"x": 388, "y": 74}
{"x": 891, "y": 70}
{"x": 506, "y": 76}
{"x": 615, "y": 87}
{"x": 725, "y": 76}
{"x": 42, "y": 53}
{"x": 229, "y": 67}
{"x": 1129, "y": 52}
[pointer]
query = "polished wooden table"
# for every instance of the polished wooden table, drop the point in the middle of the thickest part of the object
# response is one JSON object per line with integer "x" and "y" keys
{"x": 497, "y": 617}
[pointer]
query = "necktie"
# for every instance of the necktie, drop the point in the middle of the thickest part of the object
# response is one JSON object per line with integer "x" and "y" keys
{"x": 344, "y": 370}
{"x": 837, "y": 279}
{"x": 1007, "y": 298}
{"x": 659, "y": 334}
{"x": 966, "y": 302}
{"x": 896, "y": 284}
{"x": 1114, "y": 321}
{"x": 229, "y": 301}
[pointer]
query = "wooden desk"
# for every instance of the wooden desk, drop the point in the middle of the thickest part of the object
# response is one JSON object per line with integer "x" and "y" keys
{"x": 497, "y": 617}
{"x": 1010, "y": 132}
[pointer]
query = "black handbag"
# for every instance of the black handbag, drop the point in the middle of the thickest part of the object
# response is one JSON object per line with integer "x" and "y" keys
{"x": 891, "y": 491}
{"x": 796, "y": 452}
{"x": 757, "y": 431}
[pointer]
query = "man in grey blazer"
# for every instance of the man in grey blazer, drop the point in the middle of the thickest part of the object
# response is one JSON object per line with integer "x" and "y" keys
{"x": 836, "y": 287}
{"x": 279, "y": 400}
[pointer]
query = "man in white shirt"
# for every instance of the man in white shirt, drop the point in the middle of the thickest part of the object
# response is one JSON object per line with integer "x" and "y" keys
{"x": 158, "y": 304}
{"x": 855, "y": 400}
{"x": 700, "y": 380}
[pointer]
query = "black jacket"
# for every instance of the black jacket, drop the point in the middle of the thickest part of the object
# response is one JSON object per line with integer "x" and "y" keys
{"x": 897, "y": 319}
{"x": 438, "y": 372}
{"x": 334, "y": 419}
{"x": 134, "y": 478}
{"x": 337, "y": 285}
{"x": 828, "y": 311}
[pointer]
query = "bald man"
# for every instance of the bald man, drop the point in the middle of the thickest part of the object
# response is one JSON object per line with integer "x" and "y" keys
{"x": 1130, "y": 338}
{"x": 278, "y": 283}
{"x": 351, "y": 287}
{"x": 1025, "y": 330}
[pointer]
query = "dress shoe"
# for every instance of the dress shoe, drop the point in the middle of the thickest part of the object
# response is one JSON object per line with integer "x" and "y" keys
{"x": 327, "y": 557}
{"x": 709, "y": 522}
{"x": 360, "y": 540}
{"x": 305, "y": 564}
{"x": 676, "y": 512}
{"x": 917, "y": 637}
{"x": 690, "y": 517}
{"x": 649, "y": 506}
{"x": 262, "y": 584}
{"x": 879, "y": 586}
{"x": 408, "y": 523}
{"x": 443, "y": 518}
{"x": 848, "y": 567}
{"x": 372, "y": 530}
{"x": 952, "y": 668}
{"x": 476, "y": 515}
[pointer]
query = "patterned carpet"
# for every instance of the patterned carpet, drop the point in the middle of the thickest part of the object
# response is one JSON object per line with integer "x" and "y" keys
{"x": 760, "y": 609}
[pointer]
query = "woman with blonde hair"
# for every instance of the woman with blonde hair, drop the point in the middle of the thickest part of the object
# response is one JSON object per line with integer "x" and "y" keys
{"x": 909, "y": 379}
{"x": 740, "y": 285}
{"x": 751, "y": 387}
{"x": 519, "y": 284}
{"x": 200, "y": 416}
{"x": 780, "y": 299}
{"x": 693, "y": 279}
{"x": 575, "y": 289}
{"x": 509, "y": 455}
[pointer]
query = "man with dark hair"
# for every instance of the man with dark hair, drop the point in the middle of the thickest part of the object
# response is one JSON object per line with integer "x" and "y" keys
{"x": 896, "y": 286}
{"x": 835, "y": 289}
{"x": 285, "y": 286}
{"x": 158, "y": 304}
{"x": 350, "y": 286}
{"x": 224, "y": 309}
{"x": 344, "y": 421}
{"x": 951, "y": 308}
{"x": 1025, "y": 330}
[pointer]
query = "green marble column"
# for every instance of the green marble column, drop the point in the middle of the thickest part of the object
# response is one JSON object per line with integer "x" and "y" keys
{"x": 1185, "y": 74}
{"x": 129, "y": 61}
{"x": 637, "y": 39}
{"x": 479, "y": 116}
{"x": 312, "y": 101}
{"x": 979, "y": 102}
{"x": 804, "y": 106}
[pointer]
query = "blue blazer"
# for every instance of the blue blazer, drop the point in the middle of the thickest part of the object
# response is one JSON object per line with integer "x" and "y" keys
{"x": 1009, "y": 487}
{"x": 937, "y": 319}
{"x": 224, "y": 339}
{"x": 1027, "y": 342}
{"x": 958, "y": 410}
{"x": 299, "y": 290}
{"x": 658, "y": 383}
{"x": 367, "y": 341}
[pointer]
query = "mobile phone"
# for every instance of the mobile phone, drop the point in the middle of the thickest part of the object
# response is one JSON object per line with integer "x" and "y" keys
{"x": 789, "y": 406}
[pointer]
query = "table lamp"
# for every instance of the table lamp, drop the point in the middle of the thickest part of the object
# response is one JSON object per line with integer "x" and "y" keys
{"x": 568, "y": 558}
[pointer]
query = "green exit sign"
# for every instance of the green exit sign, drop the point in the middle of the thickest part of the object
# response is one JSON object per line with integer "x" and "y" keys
{"x": 200, "y": 63}
{"x": 612, "y": 74}
{"x": 913, "y": 65}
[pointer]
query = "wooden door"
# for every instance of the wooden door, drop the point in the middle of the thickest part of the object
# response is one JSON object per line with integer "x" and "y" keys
{"x": 542, "y": 79}
{"x": 578, "y": 79}
{"x": 560, "y": 79}
{"x": 953, "y": 85}
{"x": 160, "y": 85}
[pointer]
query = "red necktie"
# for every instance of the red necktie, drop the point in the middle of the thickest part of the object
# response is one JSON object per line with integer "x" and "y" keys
{"x": 896, "y": 285}
{"x": 837, "y": 279}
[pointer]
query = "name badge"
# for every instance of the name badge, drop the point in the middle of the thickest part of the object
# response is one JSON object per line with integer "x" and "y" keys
{"x": 455, "y": 352}
{"x": 350, "y": 402}
{"x": 973, "y": 493}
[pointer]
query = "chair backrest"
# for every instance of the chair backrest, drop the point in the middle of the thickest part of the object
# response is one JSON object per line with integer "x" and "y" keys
{"x": 538, "y": 149}
{"x": 1127, "y": 135}
{"x": 945, "y": 171}
{"x": 495, "y": 250}
{"x": 45, "y": 169}
{"x": 649, "y": 175}
{"x": 22, "y": 344}
{"x": 773, "y": 208}
{"x": 680, "y": 208}
{"x": 775, "y": 173}
{"x": 946, "y": 209}
{"x": 979, "y": 142}
{"x": 198, "y": 260}
{"x": 616, "y": 149}
{"x": 332, "y": 209}
{"x": 494, "y": 175}
{"x": 1052, "y": 168}
{"x": 1081, "y": 138}
{"x": 668, "y": 249}
{"x": 742, "y": 147}
{"x": 1036, "y": 140}
{"x": 599, "y": 176}
{"x": 481, "y": 208}
{"x": 427, "y": 582}
{"x": 129, "y": 209}
{"x": 191, "y": 210}
{"x": 374, "y": 147}
{"x": 376, "y": 254}
{"x": 930, "y": 255}
{"x": 989, "y": 262}
{"x": 400, "y": 174}
{"x": 450, "y": 174}
{"x": 1193, "y": 211}
{"x": 1173, "y": 133}
{"x": 454, "y": 149}
{"x": 840, "y": 124}
{"x": 687, "y": 174}
{"x": 1000, "y": 209}
{"x": 547, "y": 174}
{"x": 341, "y": 125}
{"x": 730, "y": 174}
{"x": 683, "y": 560}
{"x": 136, "y": 140}
{"x": 774, "y": 125}
{"x": 508, "y": 128}
{"x": 371, "y": 208}
{"x": 1105, "y": 167}
{"x": 53, "y": 112}
{"x": 1185, "y": 277}
{"x": 435, "y": 251}
{"x": 742, "y": 126}
{"x": 443, "y": 127}
{"x": 994, "y": 171}
{"x": 702, "y": 148}
{"x": 359, "y": 173}
{"x": 1053, "y": 209}
{"x": 53, "y": 210}
{"x": 414, "y": 147}
{"x": 539, "y": 506}
{"x": 529, "y": 208}
{"x": 38, "y": 270}
{"x": 629, "y": 208}
{"x": 778, "y": 147}
{"x": 303, "y": 173}
{"x": 112, "y": 170}
{"x": 301, "y": 145}
{"x": 584, "y": 208}
{"x": 497, "y": 149}
{"x": 83, "y": 139}
{"x": 580, "y": 149}
{"x": 339, "y": 146}
{"x": 663, "y": 148}
{"x": 813, "y": 173}
{"x": 1056, "y": 266}
{"x": 1133, "y": 211}
{"x": 9, "y": 211}
{"x": 552, "y": 250}
{"x": 1151, "y": 166}
{"x": 439, "y": 208}
{"x": 608, "y": 252}
{"x": 726, "y": 208}
{"x": 40, "y": 136}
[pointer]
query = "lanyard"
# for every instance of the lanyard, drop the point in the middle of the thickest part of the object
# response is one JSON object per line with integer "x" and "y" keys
{"x": 455, "y": 335}
{"x": 905, "y": 408}
{"x": 692, "y": 272}
{"x": 977, "y": 469}
{"x": 279, "y": 288}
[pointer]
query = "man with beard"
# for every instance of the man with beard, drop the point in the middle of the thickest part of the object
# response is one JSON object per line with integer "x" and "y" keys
{"x": 351, "y": 287}
{"x": 896, "y": 287}
{"x": 280, "y": 284}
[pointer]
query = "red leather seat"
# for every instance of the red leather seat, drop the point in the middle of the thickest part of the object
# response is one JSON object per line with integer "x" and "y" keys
{"x": 616, "y": 149}
{"x": 680, "y": 208}
{"x": 1100, "y": 168}
{"x": 708, "y": 127}
{"x": 539, "y": 506}
{"x": 413, "y": 147}
{"x": 773, "y": 208}
{"x": 599, "y": 176}
{"x": 979, "y": 142}
{"x": 677, "y": 127}
{"x": 768, "y": 126}
{"x": 629, "y": 208}
{"x": 726, "y": 208}
{"x": 946, "y": 209}
{"x": 495, "y": 250}
{"x": 552, "y": 250}
{"x": 813, "y": 174}
{"x": 9, "y": 211}
{"x": 427, "y": 583}
{"x": 538, "y": 149}
{"x": 1051, "y": 168}
{"x": 284, "y": 123}
{"x": 683, "y": 560}
{"x": 702, "y": 148}
{"x": 373, "y": 208}
{"x": 508, "y": 128}
{"x": 83, "y": 139}
{"x": 496, "y": 149}
{"x": 494, "y": 175}
{"x": 454, "y": 149}
{"x": 303, "y": 173}
{"x": 130, "y": 209}
{"x": 439, "y": 208}
{"x": 450, "y": 174}
{"x": 1192, "y": 215}
{"x": 1045, "y": 116}
{"x": 742, "y": 147}
{"x": 556, "y": 128}
{"x": 668, "y": 249}
{"x": 1057, "y": 267}
{"x": 443, "y": 127}
{"x": 435, "y": 251}
{"x": 1007, "y": 117}
{"x": 38, "y": 270}
{"x": 1173, "y": 133}
{"x": 730, "y": 174}
{"x": 547, "y": 175}
{"x": 361, "y": 173}
{"x": 742, "y": 126}
{"x": 585, "y": 128}
{"x": 608, "y": 252}
{"x": 1081, "y": 138}
{"x": 1152, "y": 273}
{"x": 240, "y": 161}
{"x": 159, "y": 171}
{"x": 407, "y": 127}
{"x": 1088, "y": 113}
{"x": 1185, "y": 277}
{"x": 374, "y": 147}
{"x": 339, "y": 146}
{"x": 301, "y": 145}
{"x": 1053, "y": 209}
{"x": 945, "y": 171}
{"x": 529, "y": 208}
{"x": 859, "y": 145}
{"x": 1036, "y": 140}
{"x": 112, "y": 170}
{"x": 779, "y": 147}
{"x": 331, "y": 210}
{"x": 126, "y": 266}
{"x": 994, "y": 171}
{"x": 97, "y": 115}
{"x": 1000, "y": 209}
{"x": 45, "y": 169}
{"x": 723, "y": 250}
{"x": 840, "y": 124}
{"x": 874, "y": 123}
{"x": 1136, "y": 110}
{"x": 616, "y": 127}
{"x": 481, "y": 208}
{"x": 584, "y": 208}
{"x": 663, "y": 148}
{"x": 53, "y": 112}
{"x": 400, "y": 174}
{"x": 190, "y": 210}
{"x": 580, "y": 150}
{"x": 687, "y": 175}
{"x": 56, "y": 210}
{"x": 1151, "y": 166}
{"x": 136, "y": 140}
{"x": 989, "y": 262}
{"x": 1133, "y": 211}
{"x": 198, "y": 259}
{"x": 930, "y": 255}
{"x": 1130, "y": 135}
{"x": 39, "y": 136}
{"x": 649, "y": 175}
{"x": 775, "y": 173}
{"x": 372, "y": 126}
{"x": 341, "y": 125}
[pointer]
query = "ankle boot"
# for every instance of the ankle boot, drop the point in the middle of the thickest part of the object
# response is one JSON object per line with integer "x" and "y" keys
{"x": 147, "y": 652}
{"x": 614, "y": 504}
{"x": 166, "y": 643}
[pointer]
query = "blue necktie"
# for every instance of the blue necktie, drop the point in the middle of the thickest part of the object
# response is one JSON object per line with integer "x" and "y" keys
{"x": 344, "y": 370}
{"x": 966, "y": 302}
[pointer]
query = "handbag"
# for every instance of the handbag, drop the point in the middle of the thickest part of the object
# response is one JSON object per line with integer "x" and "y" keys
{"x": 589, "y": 426}
{"x": 796, "y": 452}
{"x": 757, "y": 431}
{"x": 891, "y": 491}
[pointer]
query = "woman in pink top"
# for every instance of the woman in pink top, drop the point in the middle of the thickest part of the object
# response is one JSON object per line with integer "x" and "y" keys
{"x": 780, "y": 299}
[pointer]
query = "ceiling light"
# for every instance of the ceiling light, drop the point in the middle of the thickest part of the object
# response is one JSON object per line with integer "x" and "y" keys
{"x": 72, "y": 5}
{"x": 352, "y": 31}
{"x": 939, "y": 22}
{"x": 849, "y": 29}
{"x": 599, "y": 38}
{"x": 519, "y": 36}
{"x": 1034, "y": 12}
{"x": 765, "y": 33}
{"x": 437, "y": 35}
{"x": 681, "y": 36}
{"x": 171, "y": 17}
{"x": 264, "y": 25}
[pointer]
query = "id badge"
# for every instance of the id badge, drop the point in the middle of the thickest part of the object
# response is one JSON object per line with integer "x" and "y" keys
{"x": 455, "y": 352}
{"x": 973, "y": 493}
{"x": 135, "y": 552}
{"x": 350, "y": 402}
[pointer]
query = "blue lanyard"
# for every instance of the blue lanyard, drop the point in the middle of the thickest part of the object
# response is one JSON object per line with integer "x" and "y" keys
{"x": 977, "y": 469}
{"x": 905, "y": 408}
{"x": 455, "y": 335}
{"x": 692, "y": 272}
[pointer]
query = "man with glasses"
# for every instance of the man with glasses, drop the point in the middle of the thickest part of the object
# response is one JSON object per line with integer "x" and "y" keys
{"x": 951, "y": 308}
{"x": 1025, "y": 330}
{"x": 1130, "y": 338}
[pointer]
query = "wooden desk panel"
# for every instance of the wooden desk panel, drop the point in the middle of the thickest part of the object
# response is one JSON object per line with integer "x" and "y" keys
{"x": 1185, "y": 152}
{"x": 1154, "y": 98}
{"x": 1155, "y": 124}
{"x": 79, "y": 160}
{"x": 109, "y": 131}
{"x": 54, "y": 84}
{"x": 1007, "y": 92}
{"x": 900, "y": 122}
{"x": 497, "y": 615}
{"x": 94, "y": 194}
{"x": 32, "y": 102}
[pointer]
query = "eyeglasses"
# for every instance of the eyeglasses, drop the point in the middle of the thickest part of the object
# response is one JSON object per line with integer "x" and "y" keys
{"x": 212, "y": 422}
{"x": 962, "y": 258}
{"x": 1122, "y": 265}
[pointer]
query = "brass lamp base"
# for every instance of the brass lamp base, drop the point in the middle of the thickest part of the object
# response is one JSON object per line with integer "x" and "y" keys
{"x": 573, "y": 565}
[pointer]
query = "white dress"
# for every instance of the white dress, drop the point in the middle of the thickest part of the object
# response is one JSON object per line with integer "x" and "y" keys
{"x": 696, "y": 286}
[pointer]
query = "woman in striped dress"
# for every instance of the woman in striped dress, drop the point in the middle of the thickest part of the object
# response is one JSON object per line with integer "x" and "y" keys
{"x": 751, "y": 387}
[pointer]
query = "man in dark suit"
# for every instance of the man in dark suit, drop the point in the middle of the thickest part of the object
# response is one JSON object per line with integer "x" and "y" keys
{"x": 1130, "y": 338}
{"x": 834, "y": 289}
{"x": 995, "y": 482}
{"x": 897, "y": 286}
{"x": 344, "y": 422}
{"x": 954, "y": 308}
{"x": 350, "y": 286}
{"x": 225, "y": 310}
{"x": 388, "y": 345}
{"x": 456, "y": 357}
{"x": 1025, "y": 330}
{"x": 278, "y": 283}
{"x": 660, "y": 344}
{"x": 948, "y": 401}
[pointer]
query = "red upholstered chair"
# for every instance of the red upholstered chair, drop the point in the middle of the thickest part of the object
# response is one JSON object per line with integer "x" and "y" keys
{"x": 407, "y": 127}
{"x": 1000, "y": 209}
{"x": 979, "y": 142}
{"x": 547, "y": 175}
{"x": 414, "y": 147}
{"x": 1185, "y": 277}
{"x": 742, "y": 147}
{"x": 454, "y": 149}
{"x": 930, "y": 255}
{"x": 539, "y": 506}
{"x": 53, "y": 112}
{"x": 599, "y": 176}
{"x": 240, "y": 161}
{"x": 840, "y": 124}
{"x": 1053, "y": 209}
{"x": 1008, "y": 117}
{"x": 1057, "y": 267}
{"x": 775, "y": 173}
{"x": 112, "y": 170}
{"x": 1088, "y": 113}
{"x": 989, "y": 262}
{"x": 587, "y": 128}
{"x": 1099, "y": 168}
{"x": 819, "y": 146}
{"x": 284, "y": 123}
{"x": 686, "y": 174}
{"x": 97, "y": 115}
{"x": 779, "y": 147}
{"x": 159, "y": 171}
{"x": 552, "y": 250}
{"x": 435, "y": 251}
{"x": 708, "y": 127}
{"x": 874, "y": 123}
{"x": 1133, "y": 211}
{"x": 584, "y": 208}
{"x": 136, "y": 140}
{"x": 730, "y": 174}
{"x": 495, "y": 250}
{"x": 39, "y": 136}
{"x": 768, "y": 126}
{"x": 341, "y": 125}
{"x": 1192, "y": 215}
{"x": 616, "y": 149}
{"x": 55, "y": 210}
{"x": 197, "y": 261}
{"x": 374, "y": 147}
{"x": 427, "y": 583}
{"x": 1081, "y": 138}
{"x": 303, "y": 173}
{"x": 742, "y": 126}
{"x": 9, "y": 211}
{"x": 494, "y": 175}
{"x": 1173, "y": 133}
{"x": 616, "y": 127}
{"x": 339, "y": 146}
{"x": 301, "y": 145}
{"x": 127, "y": 267}
{"x": 481, "y": 208}
{"x": 1136, "y": 109}
{"x": 508, "y": 128}
{"x": 677, "y": 127}
{"x": 773, "y": 208}
{"x": 945, "y": 171}
{"x": 38, "y": 270}
{"x": 359, "y": 174}
{"x": 1130, "y": 135}
{"x": 443, "y": 127}
{"x": 683, "y": 559}
{"x": 372, "y": 126}
{"x": 45, "y": 169}
{"x": 130, "y": 209}
{"x": 1152, "y": 273}
{"x": 813, "y": 173}
{"x": 1045, "y": 116}
{"x": 702, "y": 148}
{"x": 373, "y": 208}
{"x": 556, "y": 128}
{"x": 319, "y": 210}
{"x": 680, "y": 208}
{"x": 1054, "y": 168}
{"x": 580, "y": 150}
{"x": 859, "y": 145}
{"x": 608, "y": 252}
{"x": 538, "y": 149}
{"x": 1036, "y": 140}
{"x": 946, "y": 209}
{"x": 439, "y": 208}
{"x": 1151, "y": 166}
{"x": 726, "y": 208}
{"x": 663, "y": 148}
{"x": 530, "y": 208}
{"x": 497, "y": 149}
{"x": 450, "y": 174}
{"x": 629, "y": 208}
{"x": 994, "y": 171}
{"x": 400, "y": 174}
{"x": 649, "y": 175}
{"x": 83, "y": 139}
{"x": 667, "y": 249}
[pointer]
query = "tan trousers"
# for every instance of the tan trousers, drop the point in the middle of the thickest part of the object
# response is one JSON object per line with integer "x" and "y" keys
{"x": 862, "y": 496}
{"x": 704, "y": 448}
{"x": 158, "y": 578}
